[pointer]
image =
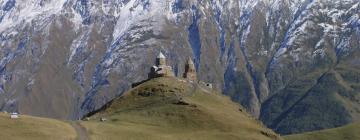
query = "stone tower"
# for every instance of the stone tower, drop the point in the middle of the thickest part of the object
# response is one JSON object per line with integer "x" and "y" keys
{"x": 190, "y": 70}
{"x": 161, "y": 69}
{"x": 160, "y": 59}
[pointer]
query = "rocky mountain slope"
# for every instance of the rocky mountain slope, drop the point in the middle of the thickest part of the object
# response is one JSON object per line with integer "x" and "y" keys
{"x": 292, "y": 63}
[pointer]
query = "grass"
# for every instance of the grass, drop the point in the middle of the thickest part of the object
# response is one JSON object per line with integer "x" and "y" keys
{"x": 349, "y": 132}
{"x": 34, "y": 128}
{"x": 170, "y": 109}
{"x": 160, "y": 109}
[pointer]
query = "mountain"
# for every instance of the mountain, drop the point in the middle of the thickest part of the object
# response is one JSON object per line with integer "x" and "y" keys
{"x": 349, "y": 132}
{"x": 170, "y": 108}
{"x": 294, "y": 64}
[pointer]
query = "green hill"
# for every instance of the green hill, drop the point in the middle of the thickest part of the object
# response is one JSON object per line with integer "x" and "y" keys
{"x": 168, "y": 108}
{"x": 34, "y": 128}
{"x": 349, "y": 132}
{"x": 160, "y": 109}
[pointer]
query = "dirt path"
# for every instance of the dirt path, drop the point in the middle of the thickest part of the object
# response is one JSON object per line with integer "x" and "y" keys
{"x": 80, "y": 130}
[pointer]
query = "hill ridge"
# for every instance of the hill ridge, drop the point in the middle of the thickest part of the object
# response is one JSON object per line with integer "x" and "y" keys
{"x": 181, "y": 108}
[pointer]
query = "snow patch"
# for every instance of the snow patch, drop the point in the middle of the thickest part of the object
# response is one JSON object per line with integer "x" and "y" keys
{"x": 26, "y": 11}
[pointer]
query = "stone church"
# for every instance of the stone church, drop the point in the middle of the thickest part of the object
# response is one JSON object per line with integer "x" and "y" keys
{"x": 160, "y": 69}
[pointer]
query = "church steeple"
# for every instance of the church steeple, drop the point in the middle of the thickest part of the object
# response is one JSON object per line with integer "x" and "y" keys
{"x": 160, "y": 59}
{"x": 190, "y": 70}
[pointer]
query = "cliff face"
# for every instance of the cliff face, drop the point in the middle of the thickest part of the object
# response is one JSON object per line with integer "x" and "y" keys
{"x": 292, "y": 63}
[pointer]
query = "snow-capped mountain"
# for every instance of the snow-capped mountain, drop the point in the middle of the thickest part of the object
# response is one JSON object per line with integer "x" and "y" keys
{"x": 292, "y": 63}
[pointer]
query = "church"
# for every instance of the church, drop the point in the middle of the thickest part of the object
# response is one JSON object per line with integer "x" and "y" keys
{"x": 161, "y": 69}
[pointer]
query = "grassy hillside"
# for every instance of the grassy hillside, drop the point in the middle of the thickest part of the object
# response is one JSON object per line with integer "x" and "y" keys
{"x": 168, "y": 108}
{"x": 349, "y": 132}
{"x": 33, "y": 128}
{"x": 160, "y": 109}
